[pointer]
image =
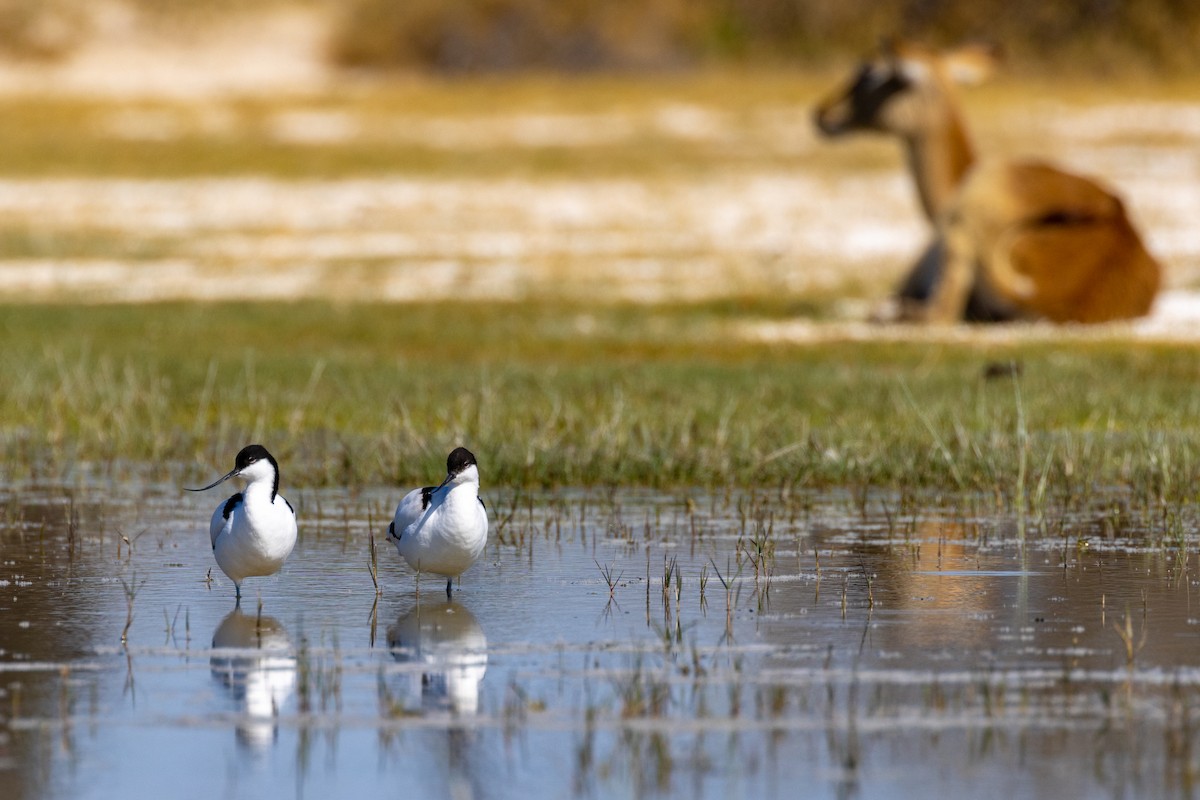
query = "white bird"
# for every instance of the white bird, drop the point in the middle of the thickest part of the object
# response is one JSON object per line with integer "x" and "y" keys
{"x": 443, "y": 529}
{"x": 254, "y": 531}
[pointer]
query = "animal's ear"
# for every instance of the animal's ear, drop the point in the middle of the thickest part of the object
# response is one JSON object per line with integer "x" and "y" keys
{"x": 907, "y": 57}
{"x": 972, "y": 64}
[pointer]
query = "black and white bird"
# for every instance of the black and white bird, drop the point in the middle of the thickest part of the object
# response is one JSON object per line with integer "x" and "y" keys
{"x": 443, "y": 529}
{"x": 254, "y": 531}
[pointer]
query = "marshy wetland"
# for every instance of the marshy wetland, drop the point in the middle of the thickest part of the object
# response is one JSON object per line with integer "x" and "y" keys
{"x": 640, "y": 643}
{"x": 716, "y": 566}
{"x": 743, "y": 543}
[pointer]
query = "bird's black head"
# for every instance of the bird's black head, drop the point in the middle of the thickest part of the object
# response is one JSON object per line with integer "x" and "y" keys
{"x": 458, "y": 460}
{"x": 250, "y": 454}
{"x": 247, "y": 458}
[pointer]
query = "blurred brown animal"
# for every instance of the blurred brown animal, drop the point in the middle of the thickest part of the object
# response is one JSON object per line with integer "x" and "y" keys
{"x": 1013, "y": 240}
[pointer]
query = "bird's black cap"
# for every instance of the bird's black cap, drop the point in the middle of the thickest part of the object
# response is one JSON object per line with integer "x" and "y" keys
{"x": 249, "y": 454}
{"x": 459, "y": 459}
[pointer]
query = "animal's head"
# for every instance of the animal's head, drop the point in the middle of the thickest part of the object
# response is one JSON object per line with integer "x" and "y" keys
{"x": 903, "y": 88}
{"x": 461, "y": 467}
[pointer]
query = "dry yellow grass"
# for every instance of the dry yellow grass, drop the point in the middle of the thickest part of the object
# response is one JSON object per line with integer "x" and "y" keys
{"x": 647, "y": 190}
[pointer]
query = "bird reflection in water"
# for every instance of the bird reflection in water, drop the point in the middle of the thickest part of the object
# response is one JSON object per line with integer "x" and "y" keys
{"x": 447, "y": 648}
{"x": 449, "y": 644}
{"x": 253, "y": 659}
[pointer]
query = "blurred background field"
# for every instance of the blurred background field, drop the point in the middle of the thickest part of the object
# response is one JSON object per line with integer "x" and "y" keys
{"x": 518, "y": 149}
{"x": 584, "y": 192}
{"x": 484, "y": 36}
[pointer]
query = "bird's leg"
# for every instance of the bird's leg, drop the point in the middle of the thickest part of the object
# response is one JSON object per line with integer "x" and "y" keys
{"x": 449, "y": 584}
{"x": 238, "y": 587}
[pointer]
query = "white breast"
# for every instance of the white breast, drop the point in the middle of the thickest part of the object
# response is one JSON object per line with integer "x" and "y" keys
{"x": 449, "y": 536}
{"x": 256, "y": 539}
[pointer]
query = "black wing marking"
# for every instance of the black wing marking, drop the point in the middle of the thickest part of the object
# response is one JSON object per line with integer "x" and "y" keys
{"x": 426, "y": 496}
{"x": 231, "y": 504}
{"x": 289, "y": 505}
{"x": 392, "y": 531}
{"x": 483, "y": 504}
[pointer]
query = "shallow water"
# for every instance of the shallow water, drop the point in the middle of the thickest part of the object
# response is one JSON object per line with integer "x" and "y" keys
{"x": 877, "y": 651}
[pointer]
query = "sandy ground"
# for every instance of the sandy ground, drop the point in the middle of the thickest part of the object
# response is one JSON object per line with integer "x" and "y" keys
{"x": 125, "y": 55}
{"x": 650, "y": 240}
{"x": 413, "y": 239}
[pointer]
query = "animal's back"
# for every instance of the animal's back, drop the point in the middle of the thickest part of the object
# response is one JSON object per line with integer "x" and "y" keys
{"x": 409, "y": 511}
{"x": 1055, "y": 244}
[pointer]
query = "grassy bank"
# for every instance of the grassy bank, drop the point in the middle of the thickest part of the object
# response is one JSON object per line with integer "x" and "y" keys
{"x": 587, "y": 396}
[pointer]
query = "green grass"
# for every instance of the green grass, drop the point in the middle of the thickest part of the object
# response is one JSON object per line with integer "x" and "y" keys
{"x": 661, "y": 397}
